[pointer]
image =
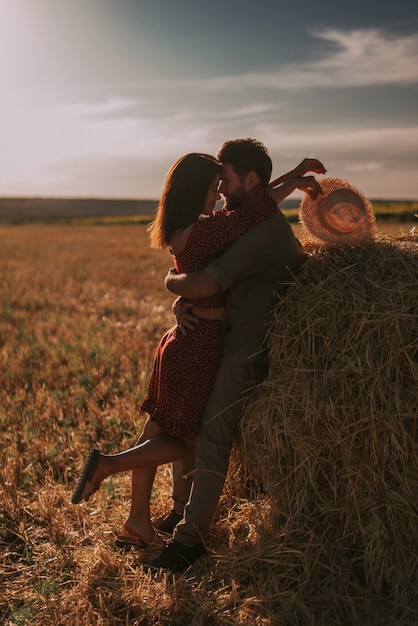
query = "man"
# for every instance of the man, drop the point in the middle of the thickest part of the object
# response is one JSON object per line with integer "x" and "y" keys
{"x": 255, "y": 270}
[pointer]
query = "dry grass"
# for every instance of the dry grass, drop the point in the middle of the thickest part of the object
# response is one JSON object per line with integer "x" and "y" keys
{"x": 81, "y": 310}
{"x": 332, "y": 435}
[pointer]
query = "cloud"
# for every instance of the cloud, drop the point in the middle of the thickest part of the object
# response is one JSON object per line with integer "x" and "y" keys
{"x": 382, "y": 162}
{"x": 363, "y": 167}
{"x": 351, "y": 59}
{"x": 369, "y": 57}
{"x": 355, "y": 58}
{"x": 137, "y": 129}
{"x": 371, "y": 152}
{"x": 359, "y": 58}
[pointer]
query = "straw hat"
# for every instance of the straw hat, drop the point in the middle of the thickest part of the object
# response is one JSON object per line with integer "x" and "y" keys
{"x": 342, "y": 214}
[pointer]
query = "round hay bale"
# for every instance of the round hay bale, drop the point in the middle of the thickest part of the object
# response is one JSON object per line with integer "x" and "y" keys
{"x": 332, "y": 434}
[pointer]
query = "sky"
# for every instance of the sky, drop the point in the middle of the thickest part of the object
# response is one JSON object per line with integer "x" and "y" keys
{"x": 99, "y": 97}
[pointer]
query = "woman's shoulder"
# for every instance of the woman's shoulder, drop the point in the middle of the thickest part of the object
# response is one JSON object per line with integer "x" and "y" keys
{"x": 179, "y": 239}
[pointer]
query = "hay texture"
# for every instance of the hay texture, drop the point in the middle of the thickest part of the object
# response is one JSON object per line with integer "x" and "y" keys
{"x": 332, "y": 436}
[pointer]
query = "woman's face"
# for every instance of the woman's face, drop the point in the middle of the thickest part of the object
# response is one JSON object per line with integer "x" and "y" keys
{"x": 212, "y": 197}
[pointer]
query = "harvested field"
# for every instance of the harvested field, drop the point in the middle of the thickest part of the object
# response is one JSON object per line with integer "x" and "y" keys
{"x": 81, "y": 310}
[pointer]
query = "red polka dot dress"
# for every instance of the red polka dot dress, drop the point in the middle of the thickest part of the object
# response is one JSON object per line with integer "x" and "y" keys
{"x": 185, "y": 365}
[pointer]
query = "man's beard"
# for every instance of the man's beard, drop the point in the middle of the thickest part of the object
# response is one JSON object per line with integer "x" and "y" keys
{"x": 235, "y": 200}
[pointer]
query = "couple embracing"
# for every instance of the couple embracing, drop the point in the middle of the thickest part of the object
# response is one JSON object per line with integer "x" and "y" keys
{"x": 229, "y": 268}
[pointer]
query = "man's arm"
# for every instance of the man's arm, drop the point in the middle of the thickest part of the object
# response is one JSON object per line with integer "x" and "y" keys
{"x": 307, "y": 184}
{"x": 305, "y": 166}
{"x": 192, "y": 285}
{"x": 248, "y": 255}
{"x": 270, "y": 242}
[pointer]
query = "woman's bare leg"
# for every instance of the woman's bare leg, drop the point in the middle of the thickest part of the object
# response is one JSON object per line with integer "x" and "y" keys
{"x": 156, "y": 448}
{"x": 152, "y": 452}
{"x": 139, "y": 519}
{"x": 138, "y": 522}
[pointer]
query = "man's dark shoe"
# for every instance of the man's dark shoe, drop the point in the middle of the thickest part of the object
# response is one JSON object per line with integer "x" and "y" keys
{"x": 168, "y": 523}
{"x": 176, "y": 557}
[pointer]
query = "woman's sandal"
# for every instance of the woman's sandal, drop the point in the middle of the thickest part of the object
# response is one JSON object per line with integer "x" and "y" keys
{"x": 86, "y": 475}
{"x": 130, "y": 541}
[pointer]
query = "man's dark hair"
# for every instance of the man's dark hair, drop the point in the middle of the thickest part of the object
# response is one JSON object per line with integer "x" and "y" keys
{"x": 247, "y": 155}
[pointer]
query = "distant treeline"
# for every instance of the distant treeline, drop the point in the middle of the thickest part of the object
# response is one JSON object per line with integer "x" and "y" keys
{"x": 19, "y": 210}
{"x": 40, "y": 209}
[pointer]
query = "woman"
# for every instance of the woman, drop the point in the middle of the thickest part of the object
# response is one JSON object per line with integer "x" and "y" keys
{"x": 185, "y": 365}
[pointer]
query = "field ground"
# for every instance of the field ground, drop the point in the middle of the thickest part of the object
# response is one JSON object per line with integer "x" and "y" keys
{"x": 81, "y": 310}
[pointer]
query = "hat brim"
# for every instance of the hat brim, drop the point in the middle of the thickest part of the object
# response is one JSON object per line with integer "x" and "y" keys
{"x": 354, "y": 223}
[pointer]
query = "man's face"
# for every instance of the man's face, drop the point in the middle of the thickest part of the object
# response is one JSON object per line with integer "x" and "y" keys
{"x": 232, "y": 187}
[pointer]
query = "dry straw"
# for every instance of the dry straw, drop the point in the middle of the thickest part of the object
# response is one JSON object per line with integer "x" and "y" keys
{"x": 332, "y": 436}
{"x": 340, "y": 214}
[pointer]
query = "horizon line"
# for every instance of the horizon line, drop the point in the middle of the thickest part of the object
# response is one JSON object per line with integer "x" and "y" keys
{"x": 154, "y": 199}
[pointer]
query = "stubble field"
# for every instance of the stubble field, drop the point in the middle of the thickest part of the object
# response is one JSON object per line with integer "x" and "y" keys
{"x": 81, "y": 310}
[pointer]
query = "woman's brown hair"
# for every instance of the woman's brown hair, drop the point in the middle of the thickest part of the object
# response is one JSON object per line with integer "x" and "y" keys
{"x": 184, "y": 193}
